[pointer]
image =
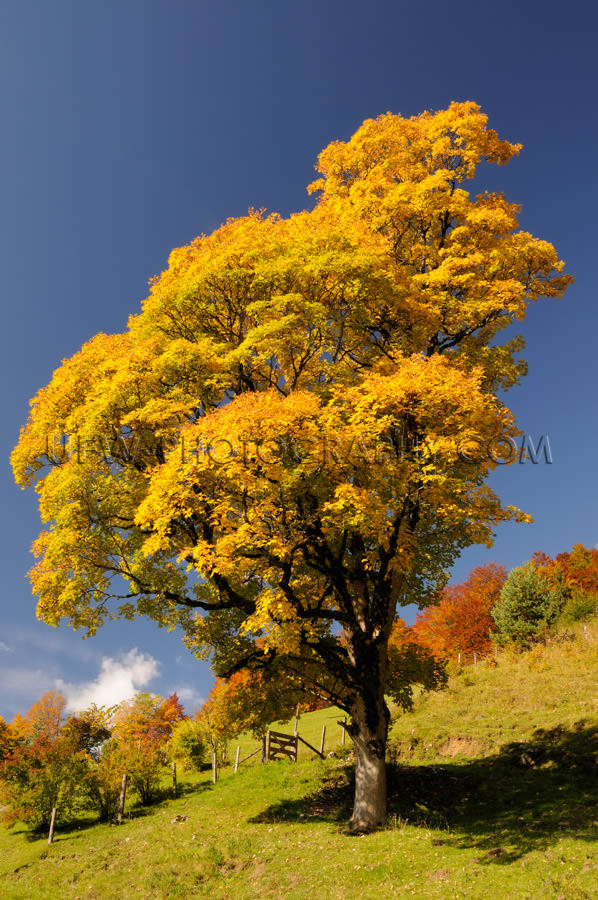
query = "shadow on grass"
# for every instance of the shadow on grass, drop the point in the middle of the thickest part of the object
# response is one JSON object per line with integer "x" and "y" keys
{"x": 525, "y": 797}
{"x": 331, "y": 802}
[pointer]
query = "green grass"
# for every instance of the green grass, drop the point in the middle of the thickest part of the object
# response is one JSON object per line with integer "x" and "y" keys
{"x": 494, "y": 795}
{"x": 504, "y": 700}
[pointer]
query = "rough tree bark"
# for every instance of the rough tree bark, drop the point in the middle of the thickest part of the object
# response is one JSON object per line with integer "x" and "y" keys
{"x": 369, "y": 730}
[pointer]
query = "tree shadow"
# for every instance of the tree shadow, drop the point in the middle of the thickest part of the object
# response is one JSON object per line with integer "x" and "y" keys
{"x": 65, "y": 831}
{"x": 188, "y": 788}
{"x": 331, "y": 802}
{"x": 525, "y": 797}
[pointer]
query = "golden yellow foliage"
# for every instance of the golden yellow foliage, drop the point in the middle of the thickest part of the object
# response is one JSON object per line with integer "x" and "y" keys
{"x": 294, "y": 433}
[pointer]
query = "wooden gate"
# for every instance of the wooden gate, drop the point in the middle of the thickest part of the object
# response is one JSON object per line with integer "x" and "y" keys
{"x": 281, "y": 746}
{"x": 278, "y": 745}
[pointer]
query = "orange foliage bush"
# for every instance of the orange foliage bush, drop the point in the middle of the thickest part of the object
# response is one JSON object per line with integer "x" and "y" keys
{"x": 579, "y": 567}
{"x": 461, "y": 622}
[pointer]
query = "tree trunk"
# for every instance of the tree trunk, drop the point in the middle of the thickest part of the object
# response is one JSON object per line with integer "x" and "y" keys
{"x": 369, "y": 730}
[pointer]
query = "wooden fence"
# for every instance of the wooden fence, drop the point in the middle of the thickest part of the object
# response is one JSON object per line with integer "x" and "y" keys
{"x": 279, "y": 745}
{"x": 245, "y": 758}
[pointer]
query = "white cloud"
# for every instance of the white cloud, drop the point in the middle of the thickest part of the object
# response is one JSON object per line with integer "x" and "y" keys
{"x": 5, "y": 648}
{"x": 190, "y": 698}
{"x": 119, "y": 679}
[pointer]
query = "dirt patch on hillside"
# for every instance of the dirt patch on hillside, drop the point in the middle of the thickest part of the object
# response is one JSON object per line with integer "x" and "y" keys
{"x": 468, "y": 746}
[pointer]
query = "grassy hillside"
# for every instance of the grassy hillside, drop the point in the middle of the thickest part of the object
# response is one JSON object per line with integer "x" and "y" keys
{"x": 494, "y": 795}
{"x": 505, "y": 699}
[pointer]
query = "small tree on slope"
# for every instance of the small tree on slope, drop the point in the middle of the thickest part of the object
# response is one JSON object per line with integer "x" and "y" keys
{"x": 529, "y": 603}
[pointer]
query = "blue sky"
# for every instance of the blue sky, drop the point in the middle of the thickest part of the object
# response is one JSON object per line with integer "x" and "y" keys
{"x": 130, "y": 127}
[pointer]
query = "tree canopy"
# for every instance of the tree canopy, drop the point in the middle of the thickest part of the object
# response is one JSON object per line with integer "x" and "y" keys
{"x": 461, "y": 622}
{"x": 288, "y": 440}
{"x": 529, "y": 602}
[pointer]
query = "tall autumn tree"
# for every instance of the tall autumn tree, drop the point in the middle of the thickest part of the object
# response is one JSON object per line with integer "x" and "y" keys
{"x": 44, "y": 719}
{"x": 575, "y": 573}
{"x": 579, "y": 567}
{"x": 141, "y": 729}
{"x": 7, "y": 739}
{"x": 290, "y": 438}
{"x": 461, "y": 622}
{"x": 44, "y": 767}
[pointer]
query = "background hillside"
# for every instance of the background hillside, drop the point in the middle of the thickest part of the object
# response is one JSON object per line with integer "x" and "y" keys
{"x": 493, "y": 795}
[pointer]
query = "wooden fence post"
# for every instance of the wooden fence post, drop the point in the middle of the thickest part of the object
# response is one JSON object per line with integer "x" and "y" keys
{"x": 245, "y": 758}
{"x": 459, "y": 659}
{"x": 311, "y": 747}
{"x": 214, "y": 767}
{"x": 52, "y": 824}
{"x": 121, "y": 799}
{"x": 344, "y": 731}
{"x": 237, "y": 759}
{"x": 174, "y": 784}
{"x": 475, "y": 658}
{"x": 322, "y": 740}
